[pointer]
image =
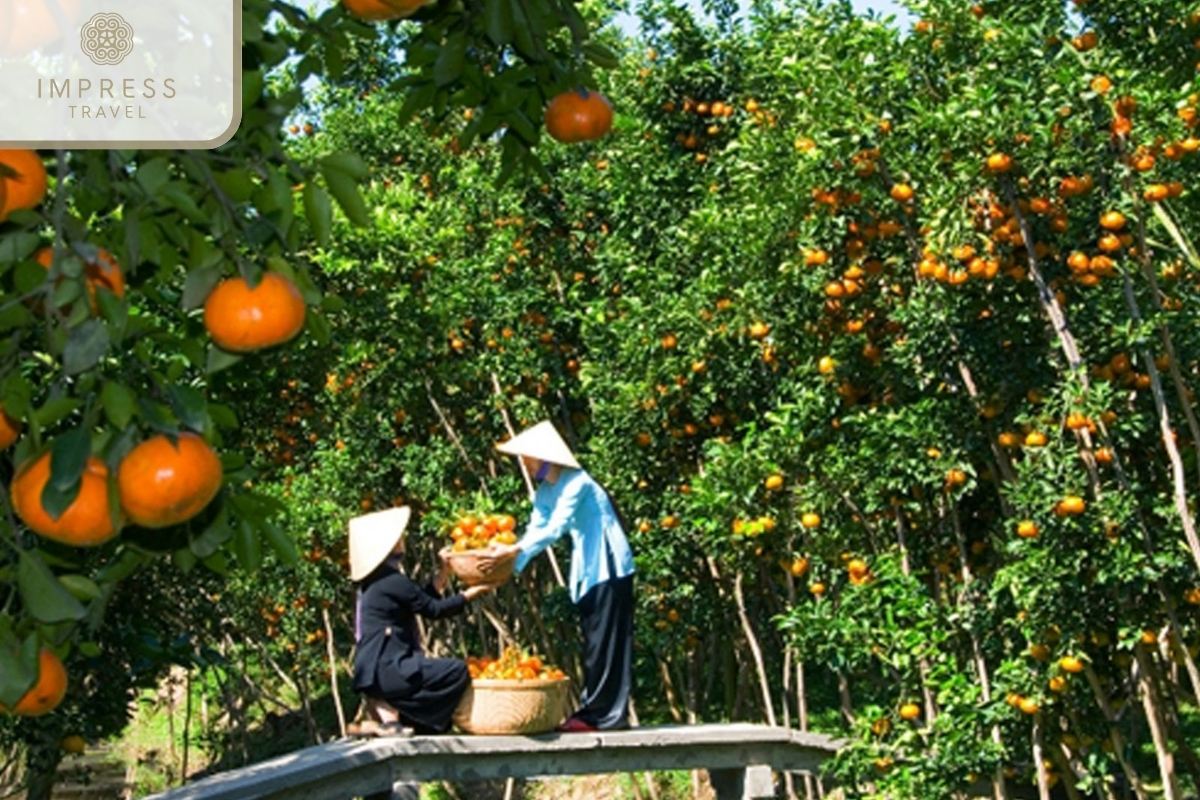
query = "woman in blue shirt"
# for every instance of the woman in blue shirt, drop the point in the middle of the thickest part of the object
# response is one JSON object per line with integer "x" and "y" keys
{"x": 570, "y": 501}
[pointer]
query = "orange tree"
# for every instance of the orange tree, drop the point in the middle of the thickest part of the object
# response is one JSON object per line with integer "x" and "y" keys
{"x": 128, "y": 278}
{"x": 879, "y": 336}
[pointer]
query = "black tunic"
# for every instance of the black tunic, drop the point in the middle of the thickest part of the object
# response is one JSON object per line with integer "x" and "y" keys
{"x": 389, "y": 661}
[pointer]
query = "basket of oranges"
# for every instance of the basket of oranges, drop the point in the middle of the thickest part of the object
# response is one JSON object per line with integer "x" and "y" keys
{"x": 516, "y": 693}
{"x": 472, "y": 535}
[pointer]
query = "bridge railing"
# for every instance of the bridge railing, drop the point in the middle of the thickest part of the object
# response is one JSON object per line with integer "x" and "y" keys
{"x": 741, "y": 760}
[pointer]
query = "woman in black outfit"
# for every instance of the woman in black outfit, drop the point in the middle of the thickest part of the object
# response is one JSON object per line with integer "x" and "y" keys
{"x": 400, "y": 684}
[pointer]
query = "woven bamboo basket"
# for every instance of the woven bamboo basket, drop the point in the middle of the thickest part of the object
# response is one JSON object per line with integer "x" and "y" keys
{"x": 491, "y": 706}
{"x": 465, "y": 564}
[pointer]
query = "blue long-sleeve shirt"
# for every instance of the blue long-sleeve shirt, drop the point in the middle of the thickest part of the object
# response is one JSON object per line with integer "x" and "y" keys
{"x": 576, "y": 504}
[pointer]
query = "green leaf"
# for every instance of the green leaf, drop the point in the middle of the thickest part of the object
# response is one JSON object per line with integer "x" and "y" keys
{"x": 318, "y": 326}
{"x": 190, "y": 406}
{"x": 449, "y": 64}
{"x": 54, "y": 410}
{"x": 81, "y": 587}
{"x": 124, "y": 566}
{"x": 44, "y": 597}
{"x": 219, "y": 359}
{"x": 215, "y": 535}
{"x": 236, "y": 184}
{"x": 15, "y": 394}
{"x": 497, "y": 16}
{"x": 18, "y": 666}
{"x": 86, "y": 345}
{"x": 283, "y": 545}
{"x": 318, "y": 209}
{"x": 199, "y": 285}
{"x": 69, "y": 457}
{"x": 345, "y": 191}
{"x": 119, "y": 403}
{"x": 14, "y": 316}
{"x": 252, "y": 87}
{"x": 222, "y": 415}
{"x": 599, "y": 55}
{"x": 153, "y": 175}
{"x": 184, "y": 560}
{"x": 348, "y": 163}
{"x": 247, "y": 546}
{"x": 16, "y": 246}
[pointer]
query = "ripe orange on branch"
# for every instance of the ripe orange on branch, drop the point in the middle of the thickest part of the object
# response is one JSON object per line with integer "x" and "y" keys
{"x": 10, "y": 429}
{"x": 242, "y": 319}
{"x": 382, "y": 10}
{"x": 578, "y": 115}
{"x": 86, "y": 522}
{"x": 47, "y": 692}
{"x": 163, "y": 483}
{"x": 24, "y": 181}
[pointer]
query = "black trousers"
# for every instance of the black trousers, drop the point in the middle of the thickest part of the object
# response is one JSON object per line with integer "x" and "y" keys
{"x": 429, "y": 706}
{"x": 606, "y": 616}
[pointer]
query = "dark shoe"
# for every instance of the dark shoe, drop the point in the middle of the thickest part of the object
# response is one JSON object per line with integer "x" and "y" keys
{"x": 575, "y": 725}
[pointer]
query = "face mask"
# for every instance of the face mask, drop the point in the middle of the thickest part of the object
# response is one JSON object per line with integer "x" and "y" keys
{"x": 543, "y": 471}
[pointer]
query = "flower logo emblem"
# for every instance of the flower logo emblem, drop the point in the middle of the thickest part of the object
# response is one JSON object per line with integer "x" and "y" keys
{"x": 107, "y": 39}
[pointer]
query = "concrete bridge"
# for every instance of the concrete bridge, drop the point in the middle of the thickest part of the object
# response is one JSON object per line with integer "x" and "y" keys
{"x": 741, "y": 760}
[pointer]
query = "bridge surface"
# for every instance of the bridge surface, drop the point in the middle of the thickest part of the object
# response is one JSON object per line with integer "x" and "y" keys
{"x": 740, "y": 759}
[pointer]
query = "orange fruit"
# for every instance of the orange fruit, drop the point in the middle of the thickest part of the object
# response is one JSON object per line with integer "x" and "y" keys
{"x": 506, "y": 522}
{"x": 163, "y": 483}
{"x": 1071, "y": 505}
{"x": 26, "y": 187}
{"x": 578, "y": 115}
{"x": 86, "y": 522}
{"x": 1027, "y": 529}
{"x": 382, "y": 10}
{"x": 10, "y": 429}
{"x": 1070, "y": 664}
{"x": 47, "y": 692}
{"x": 32, "y": 24}
{"x": 103, "y": 273}
{"x": 826, "y": 365}
{"x": 901, "y": 192}
{"x": 774, "y": 482}
{"x": 1035, "y": 439}
{"x": 1028, "y": 705}
{"x": 798, "y": 567}
{"x": 910, "y": 711}
{"x": 759, "y": 330}
{"x": 73, "y": 744}
{"x": 1039, "y": 652}
{"x": 241, "y": 319}
{"x": 1112, "y": 220}
{"x": 999, "y": 162}
{"x": 810, "y": 519}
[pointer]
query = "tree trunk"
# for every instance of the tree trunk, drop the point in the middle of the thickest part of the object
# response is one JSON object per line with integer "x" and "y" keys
{"x": 1154, "y": 718}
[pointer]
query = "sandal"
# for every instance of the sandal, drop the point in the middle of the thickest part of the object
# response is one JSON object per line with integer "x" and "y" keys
{"x": 370, "y": 727}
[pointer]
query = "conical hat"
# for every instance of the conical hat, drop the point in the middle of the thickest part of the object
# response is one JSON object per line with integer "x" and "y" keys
{"x": 541, "y": 442}
{"x": 373, "y": 536}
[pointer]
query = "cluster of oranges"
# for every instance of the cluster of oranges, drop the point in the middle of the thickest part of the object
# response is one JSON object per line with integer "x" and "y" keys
{"x": 512, "y": 665}
{"x": 753, "y": 527}
{"x": 238, "y": 317}
{"x": 477, "y": 531}
{"x": 159, "y": 483}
